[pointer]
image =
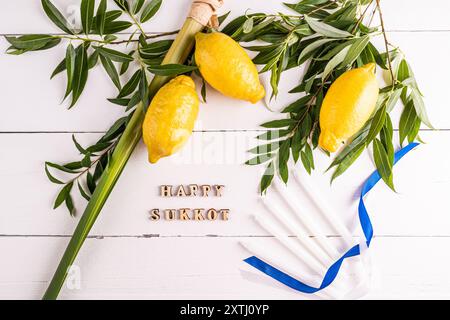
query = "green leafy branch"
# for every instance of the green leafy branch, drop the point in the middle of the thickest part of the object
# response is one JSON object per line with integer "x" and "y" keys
{"x": 89, "y": 47}
{"x": 327, "y": 38}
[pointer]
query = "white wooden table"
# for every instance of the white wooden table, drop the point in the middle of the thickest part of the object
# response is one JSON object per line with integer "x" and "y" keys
{"x": 129, "y": 256}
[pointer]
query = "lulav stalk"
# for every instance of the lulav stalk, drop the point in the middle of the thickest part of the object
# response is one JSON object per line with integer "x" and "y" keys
{"x": 200, "y": 14}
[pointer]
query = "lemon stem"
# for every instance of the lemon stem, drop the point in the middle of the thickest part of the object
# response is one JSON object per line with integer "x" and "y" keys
{"x": 178, "y": 53}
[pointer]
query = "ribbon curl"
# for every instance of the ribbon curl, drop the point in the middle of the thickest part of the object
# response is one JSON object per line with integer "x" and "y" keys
{"x": 333, "y": 271}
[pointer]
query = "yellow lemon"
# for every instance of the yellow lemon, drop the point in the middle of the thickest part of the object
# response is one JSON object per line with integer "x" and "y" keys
{"x": 226, "y": 66}
{"x": 347, "y": 106}
{"x": 170, "y": 118}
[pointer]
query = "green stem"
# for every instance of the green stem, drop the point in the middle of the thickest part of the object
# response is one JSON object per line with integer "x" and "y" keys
{"x": 178, "y": 53}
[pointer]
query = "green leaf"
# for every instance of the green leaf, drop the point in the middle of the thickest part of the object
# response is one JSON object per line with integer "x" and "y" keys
{"x": 87, "y": 14}
{"x": 51, "y": 177}
{"x": 114, "y": 55}
{"x": 420, "y": 107}
{"x": 93, "y": 59}
{"x": 326, "y": 30}
{"x": 392, "y": 100}
{"x": 348, "y": 160}
{"x": 90, "y": 182}
{"x": 334, "y": 62}
{"x": 137, "y": 6}
{"x": 115, "y": 129}
{"x": 312, "y": 47}
{"x": 281, "y": 123}
{"x": 248, "y": 25}
{"x": 100, "y": 18}
{"x": 307, "y": 159}
{"x": 380, "y": 61}
{"x": 69, "y": 205}
{"x": 63, "y": 194}
{"x": 203, "y": 90}
{"x": 407, "y": 121}
{"x": 150, "y": 10}
{"x": 223, "y": 17}
{"x": 156, "y": 48}
{"x": 383, "y": 164}
{"x": 60, "y": 168}
{"x": 297, "y": 105}
{"x": 355, "y": 50}
{"x": 111, "y": 71}
{"x": 70, "y": 67}
{"x": 99, "y": 146}
{"x": 131, "y": 85}
{"x": 283, "y": 157}
{"x": 83, "y": 193}
{"x": 56, "y": 16}
{"x": 386, "y": 135}
{"x": 170, "y": 70}
{"x": 403, "y": 71}
{"x": 377, "y": 123}
{"x": 31, "y": 41}
{"x": 135, "y": 99}
{"x": 120, "y": 101}
{"x": 78, "y": 146}
{"x": 116, "y": 26}
{"x": 122, "y": 4}
{"x": 80, "y": 74}
{"x": 267, "y": 178}
{"x": 297, "y": 144}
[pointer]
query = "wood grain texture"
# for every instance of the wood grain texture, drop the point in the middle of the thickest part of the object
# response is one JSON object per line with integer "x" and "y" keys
{"x": 129, "y": 256}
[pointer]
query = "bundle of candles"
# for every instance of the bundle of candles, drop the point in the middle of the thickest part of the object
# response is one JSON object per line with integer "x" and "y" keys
{"x": 303, "y": 237}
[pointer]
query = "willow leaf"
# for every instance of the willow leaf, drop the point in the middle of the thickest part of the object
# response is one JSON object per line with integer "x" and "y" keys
{"x": 313, "y": 46}
{"x": 87, "y": 14}
{"x": 326, "y": 29}
{"x": 70, "y": 67}
{"x": 420, "y": 107}
{"x": 150, "y": 10}
{"x": 355, "y": 50}
{"x": 80, "y": 74}
{"x": 55, "y": 15}
{"x": 383, "y": 163}
{"x": 111, "y": 70}
{"x": 100, "y": 18}
{"x": 334, "y": 62}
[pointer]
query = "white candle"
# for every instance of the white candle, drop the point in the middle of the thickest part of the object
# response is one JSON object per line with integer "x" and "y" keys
{"x": 293, "y": 246}
{"x": 327, "y": 212}
{"x": 282, "y": 216}
{"x": 305, "y": 219}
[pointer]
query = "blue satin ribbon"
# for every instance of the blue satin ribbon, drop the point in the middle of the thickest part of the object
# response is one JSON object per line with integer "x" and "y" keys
{"x": 333, "y": 271}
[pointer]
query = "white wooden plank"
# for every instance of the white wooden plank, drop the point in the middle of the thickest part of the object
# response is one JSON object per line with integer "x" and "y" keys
{"x": 199, "y": 268}
{"x": 27, "y": 16}
{"x": 95, "y": 113}
{"x": 422, "y": 180}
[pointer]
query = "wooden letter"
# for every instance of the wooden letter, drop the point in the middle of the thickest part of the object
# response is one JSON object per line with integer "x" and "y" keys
{"x": 181, "y": 192}
{"x": 198, "y": 214}
{"x": 170, "y": 214}
{"x": 205, "y": 190}
{"x": 212, "y": 214}
{"x": 166, "y": 191}
{"x": 154, "y": 215}
{"x": 184, "y": 214}
{"x": 219, "y": 188}
{"x": 193, "y": 188}
{"x": 225, "y": 213}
